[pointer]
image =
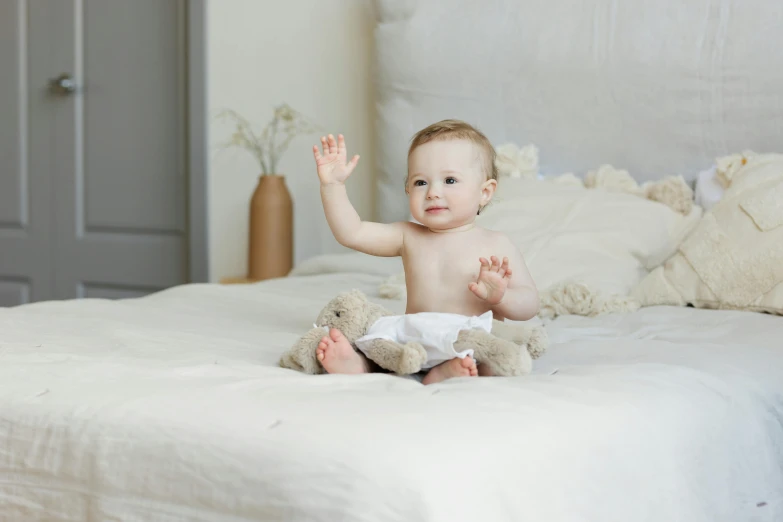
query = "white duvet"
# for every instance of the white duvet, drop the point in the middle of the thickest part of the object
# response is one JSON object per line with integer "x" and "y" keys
{"x": 171, "y": 408}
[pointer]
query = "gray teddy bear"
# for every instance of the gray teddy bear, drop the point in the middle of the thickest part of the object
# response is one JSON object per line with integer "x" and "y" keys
{"x": 508, "y": 350}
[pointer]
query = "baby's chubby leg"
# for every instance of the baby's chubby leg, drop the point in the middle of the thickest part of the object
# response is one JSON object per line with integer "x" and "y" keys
{"x": 336, "y": 355}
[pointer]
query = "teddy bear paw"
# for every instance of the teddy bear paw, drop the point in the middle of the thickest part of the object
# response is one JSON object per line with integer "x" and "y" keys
{"x": 538, "y": 342}
{"x": 412, "y": 358}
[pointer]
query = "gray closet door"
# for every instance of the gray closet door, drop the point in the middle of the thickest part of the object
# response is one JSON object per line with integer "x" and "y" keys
{"x": 106, "y": 163}
{"x": 26, "y": 237}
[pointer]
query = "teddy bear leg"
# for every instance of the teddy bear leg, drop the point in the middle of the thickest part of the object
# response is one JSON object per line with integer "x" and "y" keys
{"x": 302, "y": 355}
{"x": 301, "y": 361}
{"x": 403, "y": 359}
{"x": 538, "y": 342}
{"x": 531, "y": 336}
{"x": 497, "y": 356}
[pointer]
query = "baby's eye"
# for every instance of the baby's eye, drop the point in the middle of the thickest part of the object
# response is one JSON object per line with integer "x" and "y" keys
{"x": 451, "y": 181}
{"x": 419, "y": 183}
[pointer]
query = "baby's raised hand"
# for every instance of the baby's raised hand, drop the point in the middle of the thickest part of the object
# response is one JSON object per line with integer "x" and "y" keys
{"x": 492, "y": 280}
{"x": 331, "y": 165}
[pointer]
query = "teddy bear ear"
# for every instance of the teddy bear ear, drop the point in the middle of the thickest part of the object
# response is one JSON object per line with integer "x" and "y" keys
{"x": 345, "y": 294}
{"x": 355, "y": 292}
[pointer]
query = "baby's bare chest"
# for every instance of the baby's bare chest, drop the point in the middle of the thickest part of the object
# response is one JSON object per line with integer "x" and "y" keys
{"x": 438, "y": 261}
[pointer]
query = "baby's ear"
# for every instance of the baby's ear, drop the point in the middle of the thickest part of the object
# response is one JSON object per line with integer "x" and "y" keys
{"x": 487, "y": 191}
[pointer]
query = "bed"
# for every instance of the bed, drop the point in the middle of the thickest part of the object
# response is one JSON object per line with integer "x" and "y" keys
{"x": 172, "y": 407}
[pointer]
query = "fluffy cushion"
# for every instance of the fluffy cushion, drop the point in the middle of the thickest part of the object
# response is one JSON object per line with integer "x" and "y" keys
{"x": 734, "y": 257}
{"x": 604, "y": 239}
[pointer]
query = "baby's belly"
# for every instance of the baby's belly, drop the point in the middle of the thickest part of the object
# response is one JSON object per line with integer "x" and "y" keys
{"x": 445, "y": 297}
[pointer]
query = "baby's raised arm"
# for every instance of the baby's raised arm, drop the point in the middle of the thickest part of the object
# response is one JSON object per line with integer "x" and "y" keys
{"x": 349, "y": 230}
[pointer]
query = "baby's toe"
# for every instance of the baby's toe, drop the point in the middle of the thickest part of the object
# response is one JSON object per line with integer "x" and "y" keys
{"x": 336, "y": 335}
{"x": 469, "y": 366}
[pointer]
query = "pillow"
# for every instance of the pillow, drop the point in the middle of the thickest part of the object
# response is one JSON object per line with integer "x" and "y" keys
{"x": 605, "y": 239}
{"x": 734, "y": 257}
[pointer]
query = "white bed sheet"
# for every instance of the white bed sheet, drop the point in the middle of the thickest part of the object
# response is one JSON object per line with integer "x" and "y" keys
{"x": 170, "y": 408}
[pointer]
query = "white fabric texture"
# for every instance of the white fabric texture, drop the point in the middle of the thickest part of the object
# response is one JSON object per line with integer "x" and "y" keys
{"x": 708, "y": 189}
{"x": 171, "y": 408}
{"x": 436, "y": 332}
{"x": 657, "y": 87}
{"x": 672, "y": 191}
{"x": 606, "y": 240}
{"x": 734, "y": 256}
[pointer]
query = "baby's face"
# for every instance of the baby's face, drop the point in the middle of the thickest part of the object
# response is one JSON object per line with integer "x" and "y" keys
{"x": 446, "y": 184}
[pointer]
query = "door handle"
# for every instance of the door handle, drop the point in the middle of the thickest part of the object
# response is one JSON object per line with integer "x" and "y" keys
{"x": 63, "y": 84}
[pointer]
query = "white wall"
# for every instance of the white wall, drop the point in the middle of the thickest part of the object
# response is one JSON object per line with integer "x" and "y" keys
{"x": 315, "y": 56}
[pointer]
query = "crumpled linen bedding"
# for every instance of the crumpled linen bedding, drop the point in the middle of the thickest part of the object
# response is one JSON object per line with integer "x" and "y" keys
{"x": 733, "y": 258}
{"x": 170, "y": 408}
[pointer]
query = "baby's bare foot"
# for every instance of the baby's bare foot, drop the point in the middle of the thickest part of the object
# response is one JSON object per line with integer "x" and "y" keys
{"x": 336, "y": 355}
{"x": 454, "y": 368}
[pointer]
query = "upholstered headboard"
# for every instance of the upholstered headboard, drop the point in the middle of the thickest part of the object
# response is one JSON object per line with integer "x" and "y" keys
{"x": 657, "y": 87}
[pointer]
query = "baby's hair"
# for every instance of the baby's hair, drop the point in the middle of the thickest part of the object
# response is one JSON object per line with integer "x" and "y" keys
{"x": 457, "y": 130}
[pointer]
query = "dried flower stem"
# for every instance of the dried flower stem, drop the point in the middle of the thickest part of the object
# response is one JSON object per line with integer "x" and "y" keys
{"x": 265, "y": 148}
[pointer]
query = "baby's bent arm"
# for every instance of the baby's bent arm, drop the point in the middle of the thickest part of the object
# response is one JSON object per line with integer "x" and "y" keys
{"x": 521, "y": 301}
{"x": 377, "y": 239}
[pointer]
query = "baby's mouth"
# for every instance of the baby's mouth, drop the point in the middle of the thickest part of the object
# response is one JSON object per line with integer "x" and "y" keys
{"x": 435, "y": 210}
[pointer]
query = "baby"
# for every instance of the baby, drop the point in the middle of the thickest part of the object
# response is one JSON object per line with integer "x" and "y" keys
{"x": 451, "y": 265}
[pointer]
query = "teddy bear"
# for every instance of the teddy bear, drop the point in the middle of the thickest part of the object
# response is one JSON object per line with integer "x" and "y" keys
{"x": 507, "y": 351}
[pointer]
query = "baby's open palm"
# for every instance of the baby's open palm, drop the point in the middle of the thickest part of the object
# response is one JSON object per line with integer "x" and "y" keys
{"x": 492, "y": 280}
{"x": 331, "y": 165}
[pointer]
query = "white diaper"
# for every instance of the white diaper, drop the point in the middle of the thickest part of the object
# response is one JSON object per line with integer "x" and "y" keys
{"x": 436, "y": 332}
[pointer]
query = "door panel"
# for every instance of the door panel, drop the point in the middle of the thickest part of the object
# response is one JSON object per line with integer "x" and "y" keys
{"x": 120, "y": 147}
{"x": 90, "y": 291}
{"x": 13, "y": 118}
{"x": 93, "y": 182}
{"x": 133, "y": 116}
{"x": 13, "y": 293}
{"x": 25, "y": 141}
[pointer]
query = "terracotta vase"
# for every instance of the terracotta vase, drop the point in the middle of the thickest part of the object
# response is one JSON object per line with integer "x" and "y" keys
{"x": 271, "y": 245}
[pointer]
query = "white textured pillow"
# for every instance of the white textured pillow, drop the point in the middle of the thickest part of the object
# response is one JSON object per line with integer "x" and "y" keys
{"x": 734, "y": 257}
{"x": 604, "y": 239}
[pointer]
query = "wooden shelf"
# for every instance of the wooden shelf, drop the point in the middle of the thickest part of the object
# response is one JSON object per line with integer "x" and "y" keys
{"x": 236, "y": 281}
